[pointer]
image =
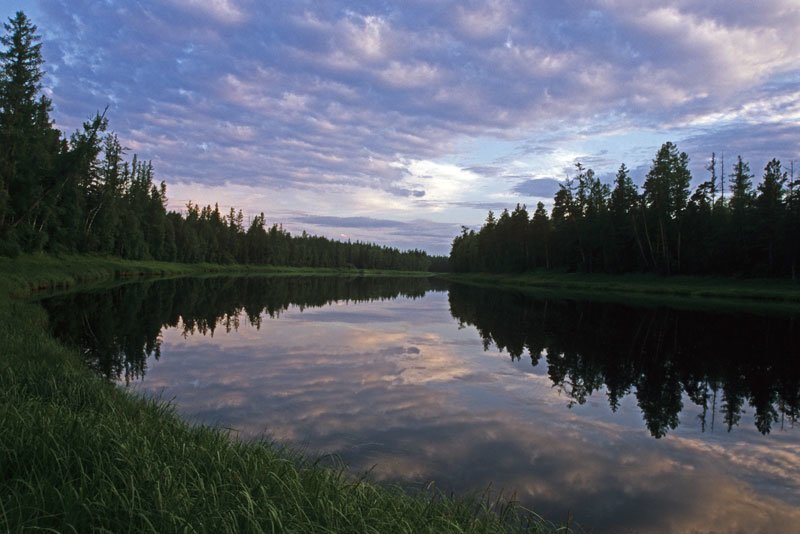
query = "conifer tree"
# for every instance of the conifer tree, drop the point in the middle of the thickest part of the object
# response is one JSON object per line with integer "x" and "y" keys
{"x": 770, "y": 212}
{"x": 28, "y": 143}
{"x": 624, "y": 209}
{"x": 740, "y": 205}
{"x": 666, "y": 193}
{"x": 540, "y": 237}
{"x": 742, "y": 193}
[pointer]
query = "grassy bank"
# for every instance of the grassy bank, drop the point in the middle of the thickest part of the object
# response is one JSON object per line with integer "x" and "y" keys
{"x": 29, "y": 273}
{"x": 678, "y": 291}
{"x": 79, "y": 454}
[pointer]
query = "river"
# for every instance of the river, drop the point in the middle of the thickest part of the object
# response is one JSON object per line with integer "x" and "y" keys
{"x": 613, "y": 417}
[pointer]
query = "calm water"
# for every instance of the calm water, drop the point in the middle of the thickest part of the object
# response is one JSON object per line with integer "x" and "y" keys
{"x": 629, "y": 419}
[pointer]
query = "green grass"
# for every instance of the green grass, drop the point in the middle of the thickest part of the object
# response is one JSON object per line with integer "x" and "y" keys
{"x": 34, "y": 272}
{"x": 78, "y": 454}
{"x": 778, "y": 295}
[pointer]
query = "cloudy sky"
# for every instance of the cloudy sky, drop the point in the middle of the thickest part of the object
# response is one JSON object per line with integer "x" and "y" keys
{"x": 397, "y": 122}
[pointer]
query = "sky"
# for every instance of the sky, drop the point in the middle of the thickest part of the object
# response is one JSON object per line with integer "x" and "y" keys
{"x": 399, "y": 122}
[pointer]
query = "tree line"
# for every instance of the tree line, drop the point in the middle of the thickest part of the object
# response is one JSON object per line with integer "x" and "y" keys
{"x": 665, "y": 228}
{"x": 79, "y": 194}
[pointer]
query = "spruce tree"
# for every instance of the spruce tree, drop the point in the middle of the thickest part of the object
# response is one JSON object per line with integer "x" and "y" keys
{"x": 666, "y": 193}
{"x": 742, "y": 194}
{"x": 624, "y": 206}
{"x": 770, "y": 212}
{"x": 27, "y": 139}
{"x": 540, "y": 236}
{"x": 740, "y": 205}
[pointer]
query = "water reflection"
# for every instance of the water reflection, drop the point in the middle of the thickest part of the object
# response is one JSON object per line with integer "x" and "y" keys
{"x": 655, "y": 353}
{"x": 395, "y": 386}
{"x": 118, "y": 329}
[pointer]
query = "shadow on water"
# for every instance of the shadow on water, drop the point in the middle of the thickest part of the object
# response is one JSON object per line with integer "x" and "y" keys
{"x": 723, "y": 363}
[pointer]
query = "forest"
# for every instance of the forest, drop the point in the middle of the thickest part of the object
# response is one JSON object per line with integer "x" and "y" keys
{"x": 597, "y": 228}
{"x": 79, "y": 194}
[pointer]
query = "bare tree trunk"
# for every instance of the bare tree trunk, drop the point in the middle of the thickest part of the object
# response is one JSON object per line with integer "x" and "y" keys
{"x": 547, "y": 255}
{"x": 649, "y": 242}
{"x": 664, "y": 244}
{"x": 638, "y": 239}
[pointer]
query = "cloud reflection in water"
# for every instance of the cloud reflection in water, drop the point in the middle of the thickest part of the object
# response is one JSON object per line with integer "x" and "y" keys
{"x": 396, "y": 387}
{"x": 413, "y": 399}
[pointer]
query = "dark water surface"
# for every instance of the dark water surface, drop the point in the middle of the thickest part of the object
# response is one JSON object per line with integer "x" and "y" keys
{"x": 629, "y": 419}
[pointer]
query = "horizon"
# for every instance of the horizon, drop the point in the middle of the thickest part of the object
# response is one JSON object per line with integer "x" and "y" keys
{"x": 398, "y": 125}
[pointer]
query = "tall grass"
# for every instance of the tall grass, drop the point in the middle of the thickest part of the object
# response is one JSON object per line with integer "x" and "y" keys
{"x": 78, "y": 454}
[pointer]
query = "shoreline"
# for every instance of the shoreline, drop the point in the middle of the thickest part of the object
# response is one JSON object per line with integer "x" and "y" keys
{"x": 83, "y": 453}
{"x": 719, "y": 294}
{"x": 39, "y": 272}
{"x": 79, "y": 453}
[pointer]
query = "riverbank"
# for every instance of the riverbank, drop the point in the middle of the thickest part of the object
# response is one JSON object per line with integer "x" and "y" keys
{"x": 80, "y": 454}
{"x": 33, "y": 272}
{"x": 677, "y": 291}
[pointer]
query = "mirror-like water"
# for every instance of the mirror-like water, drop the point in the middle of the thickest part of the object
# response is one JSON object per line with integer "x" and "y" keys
{"x": 629, "y": 419}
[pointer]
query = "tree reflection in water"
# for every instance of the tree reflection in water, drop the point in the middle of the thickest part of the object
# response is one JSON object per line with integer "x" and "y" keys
{"x": 721, "y": 362}
{"x": 654, "y": 353}
{"x": 118, "y": 329}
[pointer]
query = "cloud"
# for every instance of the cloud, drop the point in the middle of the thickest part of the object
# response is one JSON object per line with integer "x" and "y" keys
{"x": 350, "y": 222}
{"x": 219, "y": 10}
{"x": 383, "y": 99}
{"x": 538, "y": 187}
